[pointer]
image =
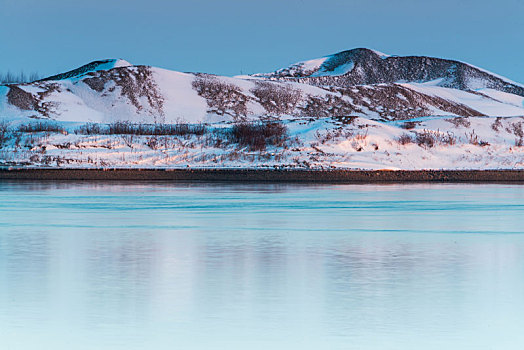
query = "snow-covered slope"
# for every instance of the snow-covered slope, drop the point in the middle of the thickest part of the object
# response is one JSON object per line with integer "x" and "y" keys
{"x": 381, "y": 92}
{"x": 105, "y": 91}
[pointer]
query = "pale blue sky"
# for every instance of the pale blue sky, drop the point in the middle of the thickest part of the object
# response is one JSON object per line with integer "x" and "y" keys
{"x": 225, "y": 37}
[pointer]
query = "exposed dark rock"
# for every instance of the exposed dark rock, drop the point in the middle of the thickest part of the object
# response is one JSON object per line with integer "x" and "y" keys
{"x": 27, "y": 101}
{"x": 78, "y": 71}
{"x": 134, "y": 82}
{"x": 21, "y": 98}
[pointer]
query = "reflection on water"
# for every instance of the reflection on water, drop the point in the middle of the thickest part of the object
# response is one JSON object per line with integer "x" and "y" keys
{"x": 194, "y": 266}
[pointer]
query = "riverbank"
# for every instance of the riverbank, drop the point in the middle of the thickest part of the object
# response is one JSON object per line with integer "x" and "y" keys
{"x": 326, "y": 143}
{"x": 266, "y": 175}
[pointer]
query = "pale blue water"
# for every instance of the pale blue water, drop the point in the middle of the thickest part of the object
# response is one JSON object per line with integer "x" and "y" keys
{"x": 162, "y": 266}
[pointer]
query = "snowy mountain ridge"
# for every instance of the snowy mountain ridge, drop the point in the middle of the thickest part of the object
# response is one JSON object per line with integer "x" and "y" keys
{"x": 94, "y": 66}
{"x": 364, "y": 67}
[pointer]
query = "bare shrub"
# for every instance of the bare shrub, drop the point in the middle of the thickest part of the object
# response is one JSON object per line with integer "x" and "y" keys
{"x": 497, "y": 124}
{"x": 65, "y": 145}
{"x": 222, "y": 97}
{"x": 425, "y": 139}
{"x": 276, "y": 99}
{"x": 408, "y": 125}
{"x": 448, "y": 139}
{"x": 356, "y": 146}
{"x": 4, "y": 133}
{"x": 153, "y": 143}
{"x": 90, "y": 129}
{"x": 431, "y": 138}
{"x": 179, "y": 129}
{"x": 126, "y": 127}
{"x": 473, "y": 139}
{"x": 361, "y": 137}
{"x": 333, "y": 134}
{"x": 41, "y": 127}
{"x": 518, "y": 130}
{"x": 460, "y": 121}
{"x": 256, "y": 136}
{"x": 129, "y": 139}
{"x": 405, "y": 139}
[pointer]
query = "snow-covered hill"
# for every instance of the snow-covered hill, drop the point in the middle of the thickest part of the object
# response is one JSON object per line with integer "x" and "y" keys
{"x": 381, "y": 92}
{"x": 365, "y": 67}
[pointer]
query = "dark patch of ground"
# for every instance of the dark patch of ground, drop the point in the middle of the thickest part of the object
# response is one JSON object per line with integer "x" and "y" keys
{"x": 270, "y": 175}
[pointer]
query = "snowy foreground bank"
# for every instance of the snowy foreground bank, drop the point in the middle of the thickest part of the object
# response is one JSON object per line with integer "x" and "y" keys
{"x": 327, "y": 143}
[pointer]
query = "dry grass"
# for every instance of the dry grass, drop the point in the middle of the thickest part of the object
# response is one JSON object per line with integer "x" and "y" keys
{"x": 430, "y": 138}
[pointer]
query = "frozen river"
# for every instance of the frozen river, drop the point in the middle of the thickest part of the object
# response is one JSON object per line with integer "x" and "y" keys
{"x": 101, "y": 265}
